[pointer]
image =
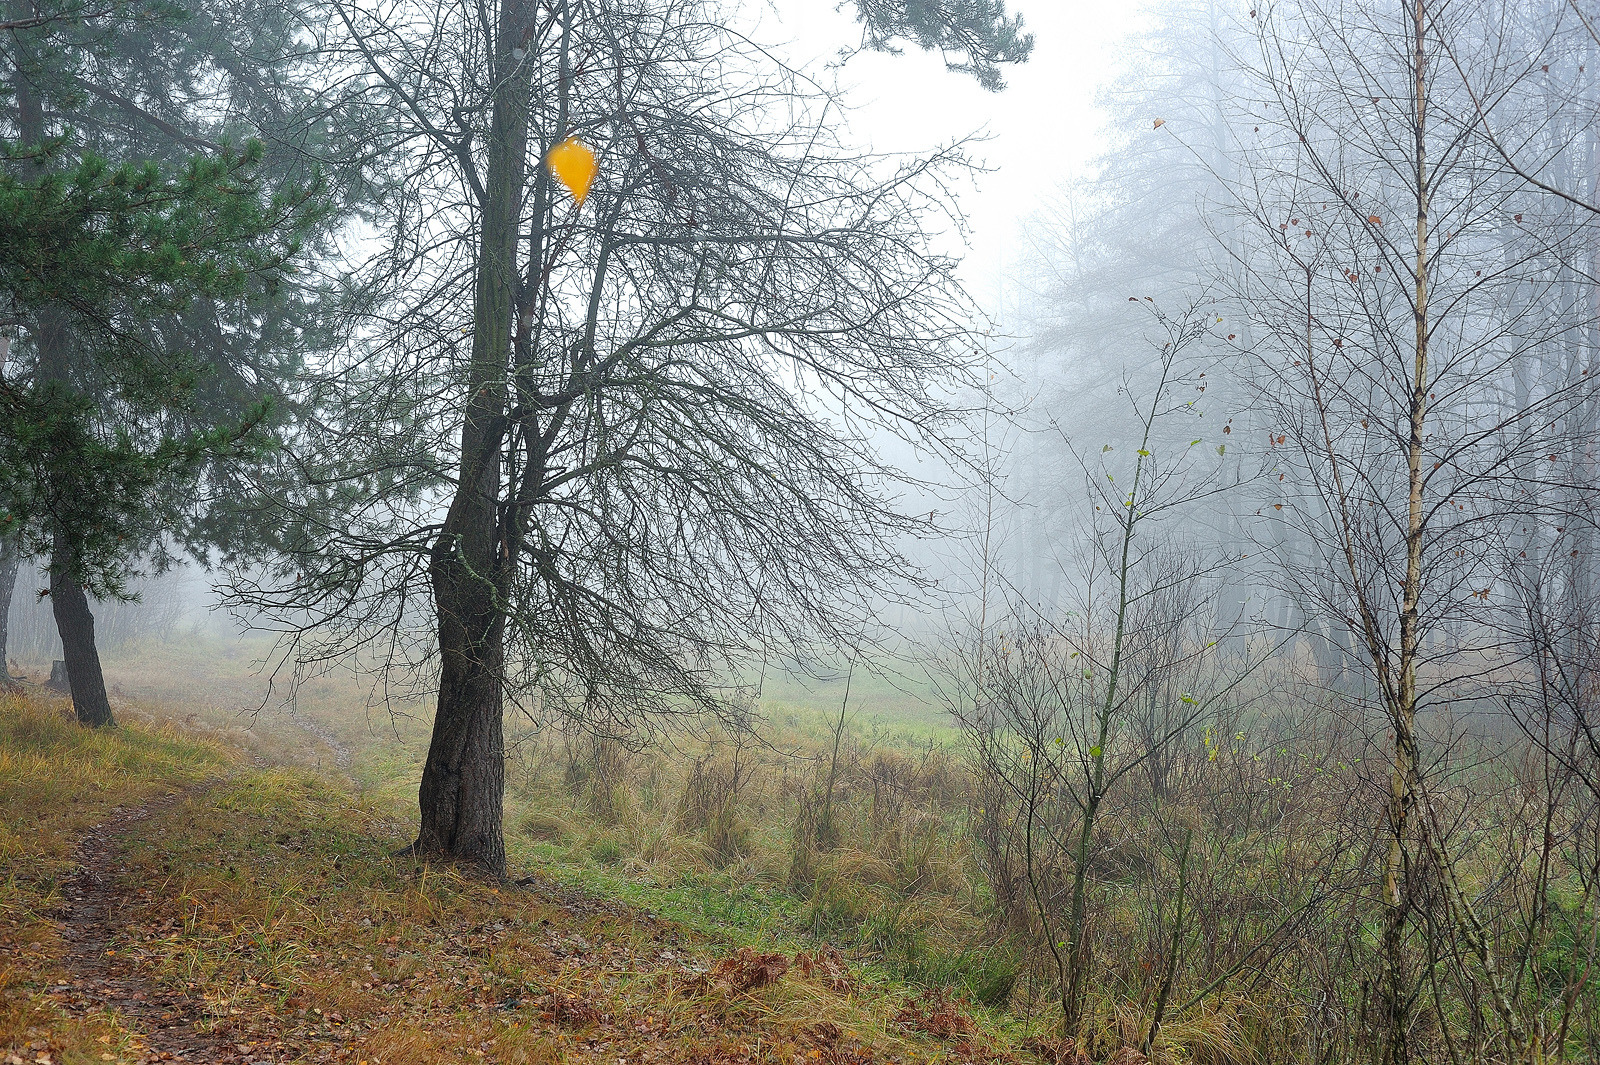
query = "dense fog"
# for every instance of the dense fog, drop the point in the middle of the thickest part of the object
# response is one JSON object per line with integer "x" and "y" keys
{"x": 1128, "y": 561}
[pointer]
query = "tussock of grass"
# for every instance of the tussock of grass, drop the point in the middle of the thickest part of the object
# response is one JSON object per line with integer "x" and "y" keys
{"x": 740, "y": 841}
{"x": 545, "y": 826}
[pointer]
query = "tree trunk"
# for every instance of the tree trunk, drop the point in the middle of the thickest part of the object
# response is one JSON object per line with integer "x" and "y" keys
{"x": 10, "y": 561}
{"x": 463, "y": 781}
{"x": 76, "y": 625}
{"x": 1403, "y": 708}
{"x": 68, "y": 602}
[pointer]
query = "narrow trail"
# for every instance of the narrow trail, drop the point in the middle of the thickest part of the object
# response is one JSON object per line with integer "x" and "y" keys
{"x": 168, "y": 1023}
{"x": 324, "y": 735}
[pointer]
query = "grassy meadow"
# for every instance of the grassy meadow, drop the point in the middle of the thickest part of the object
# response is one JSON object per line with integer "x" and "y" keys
{"x": 1227, "y": 883}
{"x": 270, "y": 892}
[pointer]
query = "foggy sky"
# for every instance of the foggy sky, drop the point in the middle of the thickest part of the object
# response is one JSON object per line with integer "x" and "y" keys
{"x": 1044, "y": 127}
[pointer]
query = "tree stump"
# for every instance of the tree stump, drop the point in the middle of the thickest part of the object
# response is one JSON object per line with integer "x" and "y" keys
{"x": 58, "y": 678}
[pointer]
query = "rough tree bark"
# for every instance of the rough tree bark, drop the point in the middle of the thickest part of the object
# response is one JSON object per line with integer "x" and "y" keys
{"x": 76, "y": 625}
{"x": 10, "y": 561}
{"x": 462, "y": 782}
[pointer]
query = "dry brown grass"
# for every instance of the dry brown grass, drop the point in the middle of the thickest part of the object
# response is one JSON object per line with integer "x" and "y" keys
{"x": 271, "y": 897}
{"x": 56, "y": 781}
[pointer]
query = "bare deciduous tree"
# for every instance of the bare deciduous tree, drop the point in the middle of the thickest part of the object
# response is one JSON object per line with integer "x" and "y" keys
{"x": 620, "y": 445}
{"x": 1063, "y": 713}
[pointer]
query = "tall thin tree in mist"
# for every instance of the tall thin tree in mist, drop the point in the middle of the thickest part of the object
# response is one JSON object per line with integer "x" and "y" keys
{"x": 1084, "y": 715}
{"x": 1141, "y": 221}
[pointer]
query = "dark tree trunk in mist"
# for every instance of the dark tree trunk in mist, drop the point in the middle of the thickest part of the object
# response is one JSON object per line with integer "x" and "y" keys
{"x": 462, "y": 790}
{"x": 68, "y": 601}
{"x": 76, "y": 625}
{"x": 463, "y": 781}
{"x": 10, "y": 561}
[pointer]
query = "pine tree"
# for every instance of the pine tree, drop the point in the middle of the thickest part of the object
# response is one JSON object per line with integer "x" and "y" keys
{"x": 974, "y": 36}
{"x": 146, "y": 287}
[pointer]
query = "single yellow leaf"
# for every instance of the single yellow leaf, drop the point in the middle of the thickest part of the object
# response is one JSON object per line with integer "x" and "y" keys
{"x": 573, "y": 164}
{"x": 1159, "y": 123}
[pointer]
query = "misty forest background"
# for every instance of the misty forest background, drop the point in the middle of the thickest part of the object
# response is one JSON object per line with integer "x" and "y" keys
{"x": 1186, "y": 642}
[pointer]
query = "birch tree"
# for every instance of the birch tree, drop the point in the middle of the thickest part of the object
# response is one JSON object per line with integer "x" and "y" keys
{"x": 1420, "y": 316}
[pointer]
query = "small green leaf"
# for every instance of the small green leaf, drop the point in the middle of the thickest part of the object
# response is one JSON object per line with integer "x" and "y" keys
{"x": 1094, "y": 752}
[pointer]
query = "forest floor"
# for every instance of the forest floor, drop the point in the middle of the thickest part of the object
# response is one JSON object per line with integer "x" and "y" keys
{"x": 172, "y": 894}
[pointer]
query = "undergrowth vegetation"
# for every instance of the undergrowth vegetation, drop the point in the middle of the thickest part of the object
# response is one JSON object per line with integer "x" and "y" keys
{"x": 1225, "y": 890}
{"x": 738, "y": 833}
{"x": 273, "y": 897}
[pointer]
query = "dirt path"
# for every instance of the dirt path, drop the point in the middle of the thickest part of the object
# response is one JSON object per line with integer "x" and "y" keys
{"x": 165, "y": 1021}
{"x": 326, "y": 736}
